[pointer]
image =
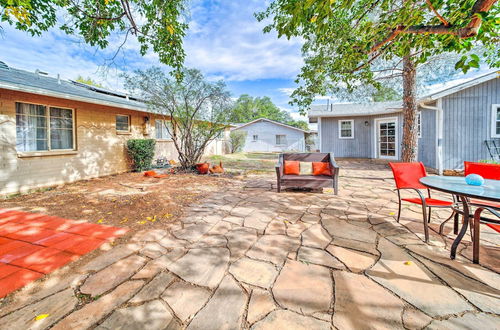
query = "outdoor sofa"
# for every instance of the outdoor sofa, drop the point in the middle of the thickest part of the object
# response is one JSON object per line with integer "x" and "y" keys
{"x": 307, "y": 181}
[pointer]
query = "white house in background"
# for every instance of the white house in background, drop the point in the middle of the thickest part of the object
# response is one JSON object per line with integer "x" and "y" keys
{"x": 265, "y": 135}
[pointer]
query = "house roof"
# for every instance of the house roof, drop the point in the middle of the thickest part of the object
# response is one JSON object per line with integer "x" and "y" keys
{"x": 270, "y": 121}
{"x": 40, "y": 83}
{"x": 377, "y": 108}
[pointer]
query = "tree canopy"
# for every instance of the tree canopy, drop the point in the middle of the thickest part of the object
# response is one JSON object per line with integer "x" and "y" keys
{"x": 247, "y": 108}
{"x": 157, "y": 25}
{"x": 197, "y": 109}
{"x": 352, "y": 43}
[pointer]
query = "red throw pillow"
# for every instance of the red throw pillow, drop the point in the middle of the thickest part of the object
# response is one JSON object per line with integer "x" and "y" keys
{"x": 292, "y": 167}
{"x": 321, "y": 168}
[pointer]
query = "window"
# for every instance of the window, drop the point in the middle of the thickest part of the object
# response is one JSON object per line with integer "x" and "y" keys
{"x": 346, "y": 129}
{"x": 495, "y": 120}
{"x": 255, "y": 138}
{"x": 163, "y": 129}
{"x": 280, "y": 140}
{"x": 123, "y": 123}
{"x": 419, "y": 124}
{"x": 42, "y": 128}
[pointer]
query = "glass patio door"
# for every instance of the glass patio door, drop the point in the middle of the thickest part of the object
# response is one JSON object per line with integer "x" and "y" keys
{"x": 387, "y": 139}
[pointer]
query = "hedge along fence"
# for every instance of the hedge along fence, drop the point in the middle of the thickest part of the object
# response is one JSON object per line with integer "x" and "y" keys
{"x": 141, "y": 152}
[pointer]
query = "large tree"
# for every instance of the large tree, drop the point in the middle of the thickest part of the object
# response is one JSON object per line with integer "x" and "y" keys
{"x": 197, "y": 109}
{"x": 156, "y": 24}
{"x": 348, "y": 42}
{"x": 247, "y": 108}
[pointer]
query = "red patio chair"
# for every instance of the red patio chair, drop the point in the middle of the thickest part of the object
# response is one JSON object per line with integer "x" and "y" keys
{"x": 407, "y": 177}
{"x": 491, "y": 172}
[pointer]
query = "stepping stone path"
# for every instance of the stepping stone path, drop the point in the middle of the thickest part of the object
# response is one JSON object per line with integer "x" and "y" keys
{"x": 250, "y": 258}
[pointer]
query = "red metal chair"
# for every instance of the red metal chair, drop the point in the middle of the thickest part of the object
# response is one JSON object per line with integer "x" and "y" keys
{"x": 491, "y": 172}
{"x": 407, "y": 177}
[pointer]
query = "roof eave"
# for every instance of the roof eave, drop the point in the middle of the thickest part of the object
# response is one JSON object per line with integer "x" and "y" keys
{"x": 40, "y": 91}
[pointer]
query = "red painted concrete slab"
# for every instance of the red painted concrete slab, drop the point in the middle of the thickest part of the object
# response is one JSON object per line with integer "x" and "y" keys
{"x": 32, "y": 245}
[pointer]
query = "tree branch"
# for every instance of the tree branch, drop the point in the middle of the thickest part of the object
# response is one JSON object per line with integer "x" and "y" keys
{"x": 468, "y": 31}
{"x": 441, "y": 18}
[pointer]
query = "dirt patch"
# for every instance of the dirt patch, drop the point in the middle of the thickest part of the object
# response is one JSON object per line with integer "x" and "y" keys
{"x": 124, "y": 200}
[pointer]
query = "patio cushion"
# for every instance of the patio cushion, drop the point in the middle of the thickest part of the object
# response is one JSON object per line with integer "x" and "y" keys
{"x": 292, "y": 167}
{"x": 477, "y": 202}
{"x": 306, "y": 168}
{"x": 428, "y": 201}
{"x": 321, "y": 168}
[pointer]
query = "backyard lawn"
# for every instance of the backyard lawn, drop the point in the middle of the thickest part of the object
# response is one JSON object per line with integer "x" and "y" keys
{"x": 246, "y": 162}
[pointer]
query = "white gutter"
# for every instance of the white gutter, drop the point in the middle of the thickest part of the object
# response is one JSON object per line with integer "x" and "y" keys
{"x": 439, "y": 134}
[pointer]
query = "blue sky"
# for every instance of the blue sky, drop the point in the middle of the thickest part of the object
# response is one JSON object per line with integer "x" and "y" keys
{"x": 225, "y": 41}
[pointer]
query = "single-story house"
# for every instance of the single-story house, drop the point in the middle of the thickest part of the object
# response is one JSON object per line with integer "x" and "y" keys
{"x": 54, "y": 131}
{"x": 265, "y": 135}
{"x": 455, "y": 124}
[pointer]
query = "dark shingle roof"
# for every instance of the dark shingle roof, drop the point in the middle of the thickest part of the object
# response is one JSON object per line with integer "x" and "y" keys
{"x": 40, "y": 83}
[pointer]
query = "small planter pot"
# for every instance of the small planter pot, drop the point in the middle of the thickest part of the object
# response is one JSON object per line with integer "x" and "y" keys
{"x": 202, "y": 168}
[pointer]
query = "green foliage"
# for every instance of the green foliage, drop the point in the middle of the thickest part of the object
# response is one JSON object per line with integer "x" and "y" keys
{"x": 385, "y": 93}
{"x": 489, "y": 161}
{"x": 345, "y": 40}
{"x": 248, "y": 108}
{"x": 197, "y": 108}
{"x": 157, "y": 25}
{"x": 88, "y": 81}
{"x": 141, "y": 152}
{"x": 237, "y": 141}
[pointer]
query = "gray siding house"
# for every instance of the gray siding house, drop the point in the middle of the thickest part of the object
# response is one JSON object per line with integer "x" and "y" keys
{"x": 455, "y": 124}
{"x": 264, "y": 135}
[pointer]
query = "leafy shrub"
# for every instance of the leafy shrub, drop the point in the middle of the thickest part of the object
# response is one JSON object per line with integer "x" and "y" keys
{"x": 237, "y": 140}
{"x": 489, "y": 161}
{"x": 141, "y": 152}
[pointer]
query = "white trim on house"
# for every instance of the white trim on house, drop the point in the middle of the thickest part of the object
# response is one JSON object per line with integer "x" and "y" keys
{"x": 270, "y": 121}
{"x": 340, "y": 121}
{"x": 494, "y": 111}
{"x": 375, "y": 140}
{"x": 457, "y": 88}
{"x": 319, "y": 134}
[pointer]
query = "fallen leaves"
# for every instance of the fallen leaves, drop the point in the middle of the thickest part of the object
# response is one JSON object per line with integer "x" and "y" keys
{"x": 41, "y": 317}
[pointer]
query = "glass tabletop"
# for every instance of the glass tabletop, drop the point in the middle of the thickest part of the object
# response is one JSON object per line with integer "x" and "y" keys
{"x": 490, "y": 190}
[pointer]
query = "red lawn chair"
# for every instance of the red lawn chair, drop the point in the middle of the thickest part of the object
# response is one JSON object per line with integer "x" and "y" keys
{"x": 406, "y": 176}
{"x": 487, "y": 171}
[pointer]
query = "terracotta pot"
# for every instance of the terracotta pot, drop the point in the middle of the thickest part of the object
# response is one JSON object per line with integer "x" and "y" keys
{"x": 202, "y": 168}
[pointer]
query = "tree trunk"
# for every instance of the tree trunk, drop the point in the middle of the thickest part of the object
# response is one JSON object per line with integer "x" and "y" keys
{"x": 410, "y": 136}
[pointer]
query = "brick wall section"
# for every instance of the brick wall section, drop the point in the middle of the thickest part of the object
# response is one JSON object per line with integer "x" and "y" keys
{"x": 100, "y": 150}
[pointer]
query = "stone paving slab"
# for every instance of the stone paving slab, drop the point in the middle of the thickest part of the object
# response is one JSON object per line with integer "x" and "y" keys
{"x": 250, "y": 258}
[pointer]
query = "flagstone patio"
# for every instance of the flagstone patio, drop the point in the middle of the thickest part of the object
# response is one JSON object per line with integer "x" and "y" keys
{"x": 248, "y": 257}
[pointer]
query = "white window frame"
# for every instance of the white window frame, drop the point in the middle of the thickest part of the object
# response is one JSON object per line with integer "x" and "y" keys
{"x": 340, "y": 129}
{"x": 494, "y": 120}
{"x": 129, "y": 124}
{"x": 255, "y": 137}
{"x": 49, "y": 147}
{"x": 276, "y": 140}
{"x": 419, "y": 124}
{"x": 163, "y": 122}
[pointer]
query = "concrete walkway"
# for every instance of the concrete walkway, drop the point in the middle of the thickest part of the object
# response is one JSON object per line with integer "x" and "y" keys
{"x": 249, "y": 257}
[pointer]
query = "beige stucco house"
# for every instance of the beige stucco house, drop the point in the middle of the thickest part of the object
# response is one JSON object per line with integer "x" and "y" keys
{"x": 54, "y": 131}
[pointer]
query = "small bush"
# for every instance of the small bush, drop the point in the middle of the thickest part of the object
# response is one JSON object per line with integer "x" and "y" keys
{"x": 489, "y": 161}
{"x": 141, "y": 152}
{"x": 237, "y": 140}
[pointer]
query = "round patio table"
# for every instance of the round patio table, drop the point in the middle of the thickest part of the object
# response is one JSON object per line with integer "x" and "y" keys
{"x": 489, "y": 191}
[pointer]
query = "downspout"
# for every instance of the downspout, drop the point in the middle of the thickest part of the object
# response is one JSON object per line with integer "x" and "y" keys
{"x": 319, "y": 135}
{"x": 439, "y": 134}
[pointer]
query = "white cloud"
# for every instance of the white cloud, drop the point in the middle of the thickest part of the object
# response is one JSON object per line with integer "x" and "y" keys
{"x": 227, "y": 40}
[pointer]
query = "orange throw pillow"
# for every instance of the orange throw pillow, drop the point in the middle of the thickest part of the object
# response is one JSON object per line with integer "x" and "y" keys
{"x": 321, "y": 168}
{"x": 292, "y": 167}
